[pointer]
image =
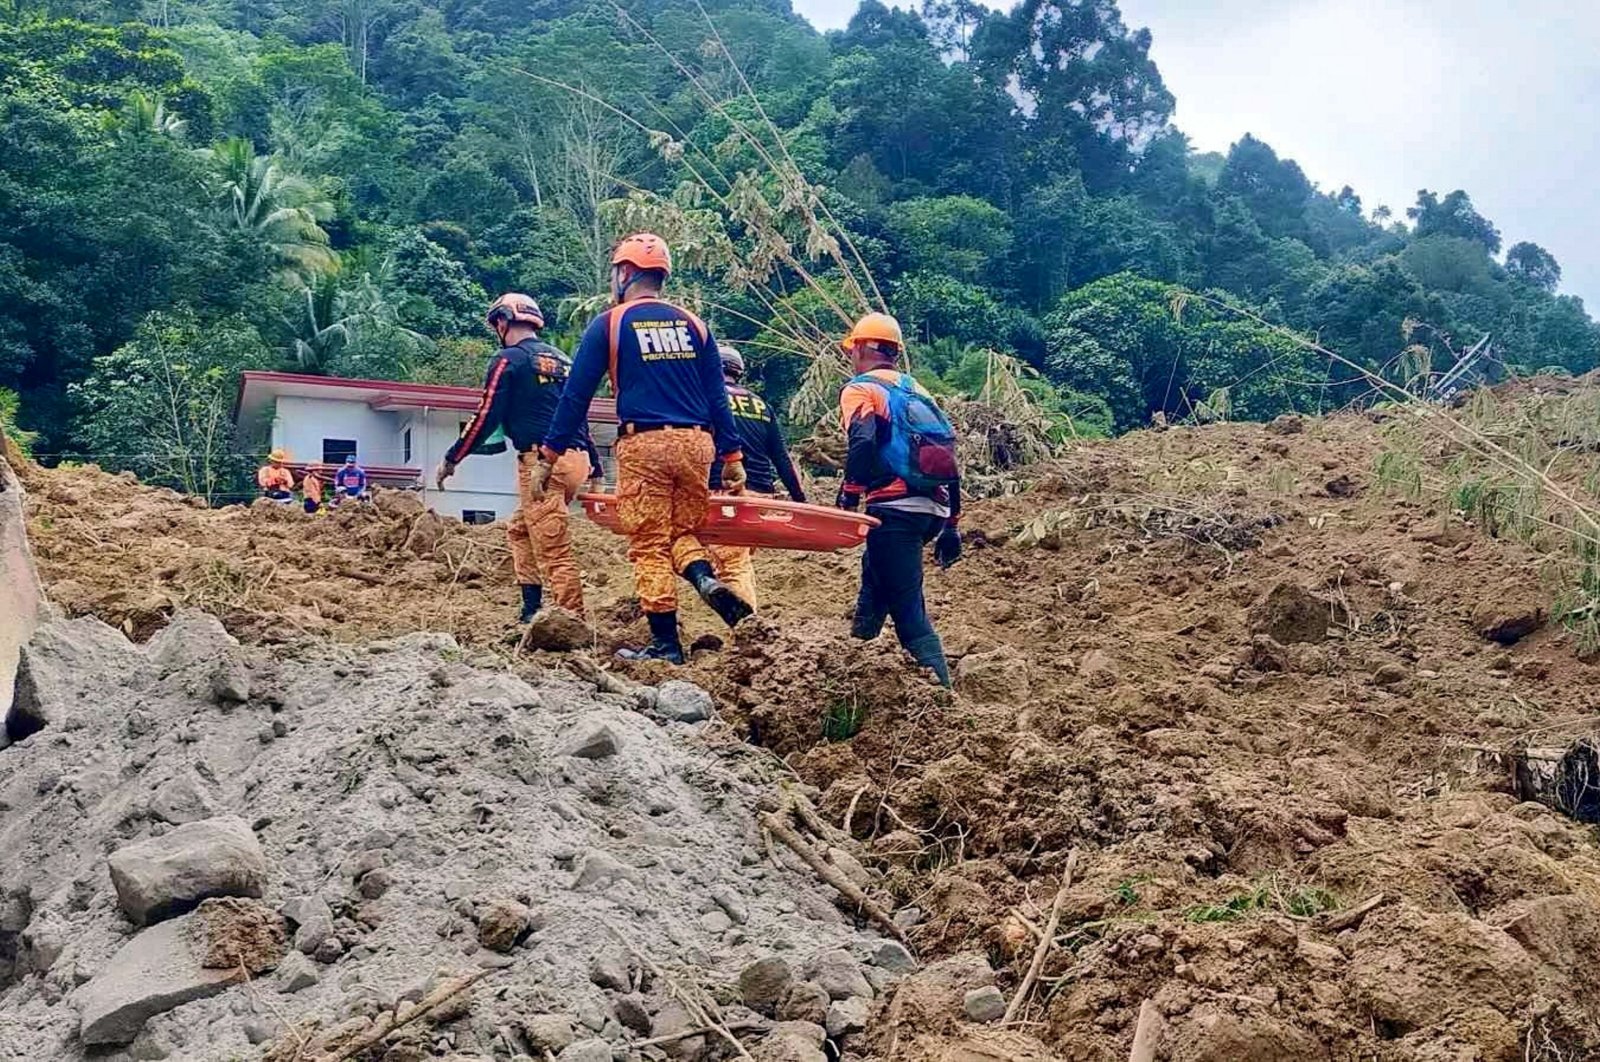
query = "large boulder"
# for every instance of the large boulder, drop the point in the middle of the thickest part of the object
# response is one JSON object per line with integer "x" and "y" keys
{"x": 174, "y": 963}
{"x": 20, "y": 595}
{"x": 56, "y": 671}
{"x": 167, "y": 875}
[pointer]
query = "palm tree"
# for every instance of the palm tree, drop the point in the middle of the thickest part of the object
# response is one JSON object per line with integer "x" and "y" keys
{"x": 342, "y": 305}
{"x": 144, "y": 115}
{"x": 281, "y": 209}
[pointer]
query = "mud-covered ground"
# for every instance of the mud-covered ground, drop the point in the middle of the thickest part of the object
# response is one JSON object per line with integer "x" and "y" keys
{"x": 1250, "y": 687}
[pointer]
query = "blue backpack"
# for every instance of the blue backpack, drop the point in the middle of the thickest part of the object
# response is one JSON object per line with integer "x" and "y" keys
{"x": 922, "y": 445}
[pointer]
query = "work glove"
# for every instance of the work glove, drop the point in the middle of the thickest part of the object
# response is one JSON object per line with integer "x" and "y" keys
{"x": 539, "y": 475}
{"x": 447, "y": 469}
{"x": 733, "y": 477}
{"x": 947, "y": 547}
{"x": 847, "y": 499}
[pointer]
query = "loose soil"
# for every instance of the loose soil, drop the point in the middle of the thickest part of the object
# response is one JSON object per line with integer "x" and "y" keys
{"x": 1248, "y": 685}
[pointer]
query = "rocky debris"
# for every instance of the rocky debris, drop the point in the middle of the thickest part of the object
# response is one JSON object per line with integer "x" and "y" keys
{"x": 167, "y": 875}
{"x": 594, "y": 741}
{"x": 295, "y": 972}
{"x": 805, "y": 1001}
{"x": 999, "y": 676}
{"x": 182, "y": 799}
{"x": 765, "y": 983}
{"x": 586, "y": 1051}
{"x": 672, "y": 1020}
{"x": 230, "y": 681}
{"x": 683, "y": 702}
{"x": 548, "y": 1032}
{"x": 838, "y": 974}
{"x": 44, "y": 695}
{"x": 792, "y": 1041}
{"x": 240, "y": 932}
{"x": 984, "y": 1004}
{"x": 1507, "y": 624}
{"x": 502, "y": 923}
{"x": 190, "y": 637}
{"x": 847, "y": 1016}
{"x": 893, "y": 956}
{"x": 558, "y": 630}
{"x": 1412, "y": 968}
{"x": 1290, "y": 613}
{"x": 633, "y": 1012}
{"x": 612, "y": 967}
{"x": 169, "y": 965}
{"x": 1098, "y": 669}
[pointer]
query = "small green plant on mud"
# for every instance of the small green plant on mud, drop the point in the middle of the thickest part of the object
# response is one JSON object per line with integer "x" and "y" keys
{"x": 1272, "y": 894}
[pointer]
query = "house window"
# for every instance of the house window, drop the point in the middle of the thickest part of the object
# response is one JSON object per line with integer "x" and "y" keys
{"x": 477, "y": 516}
{"x": 334, "y": 451}
{"x": 405, "y": 446}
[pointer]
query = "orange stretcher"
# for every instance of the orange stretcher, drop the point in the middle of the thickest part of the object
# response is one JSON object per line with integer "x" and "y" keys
{"x": 761, "y": 523}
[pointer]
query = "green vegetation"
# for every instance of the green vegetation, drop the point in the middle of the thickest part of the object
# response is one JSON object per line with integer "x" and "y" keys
{"x": 1271, "y": 894}
{"x": 189, "y": 188}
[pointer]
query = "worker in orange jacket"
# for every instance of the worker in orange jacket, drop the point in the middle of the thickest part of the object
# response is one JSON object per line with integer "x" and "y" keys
{"x": 275, "y": 480}
{"x": 311, "y": 490}
{"x": 521, "y": 390}
{"x": 766, "y": 462}
{"x": 902, "y": 462}
{"x": 675, "y": 423}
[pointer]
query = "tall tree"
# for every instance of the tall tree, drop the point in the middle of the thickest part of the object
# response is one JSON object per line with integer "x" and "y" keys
{"x": 1453, "y": 216}
{"x": 1532, "y": 263}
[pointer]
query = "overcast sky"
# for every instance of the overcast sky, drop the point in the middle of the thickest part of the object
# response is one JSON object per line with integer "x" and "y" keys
{"x": 1497, "y": 98}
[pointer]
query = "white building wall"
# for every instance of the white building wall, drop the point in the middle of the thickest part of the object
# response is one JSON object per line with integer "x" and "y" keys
{"x": 302, "y": 423}
{"x": 485, "y": 482}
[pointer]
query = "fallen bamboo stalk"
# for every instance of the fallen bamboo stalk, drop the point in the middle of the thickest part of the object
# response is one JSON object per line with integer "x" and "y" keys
{"x": 1147, "y": 1033}
{"x": 832, "y": 875}
{"x": 689, "y": 1034}
{"x": 388, "y": 1023}
{"x": 1341, "y": 920}
{"x": 1046, "y": 941}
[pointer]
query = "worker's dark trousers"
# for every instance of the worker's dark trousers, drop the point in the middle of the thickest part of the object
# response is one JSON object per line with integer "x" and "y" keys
{"x": 891, "y": 577}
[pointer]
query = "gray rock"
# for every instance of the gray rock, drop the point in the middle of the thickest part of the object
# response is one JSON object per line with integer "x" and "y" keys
{"x": 167, "y": 875}
{"x": 190, "y": 636}
{"x": 303, "y": 910}
{"x": 612, "y": 968}
{"x": 155, "y": 971}
{"x": 732, "y": 904}
{"x": 375, "y": 883}
{"x": 46, "y": 691}
{"x": 552, "y": 1032}
{"x": 672, "y": 1019}
{"x": 908, "y": 917}
{"x": 295, "y": 973}
{"x": 329, "y": 950}
{"x": 258, "y": 1031}
{"x": 600, "y": 869}
{"x": 594, "y": 741}
{"x": 683, "y": 702}
{"x": 984, "y": 1004}
{"x": 182, "y": 799}
{"x": 633, "y": 1013}
{"x": 838, "y": 974}
{"x": 806, "y": 1001}
{"x": 892, "y": 955}
{"x": 716, "y": 922}
{"x": 311, "y": 935}
{"x": 847, "y": 1016}
{"x": 230, "y": 681}
{"x": 792, "y": 1041}
{"x": 765, "y": 983}
{"x": 586, "y": 1051}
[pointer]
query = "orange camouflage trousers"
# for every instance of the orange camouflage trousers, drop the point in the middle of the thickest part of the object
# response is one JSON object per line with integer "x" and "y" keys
{"x": 736, "y": 567}
{"x": 541, "y": 541}
{"x": 662, "y": 496}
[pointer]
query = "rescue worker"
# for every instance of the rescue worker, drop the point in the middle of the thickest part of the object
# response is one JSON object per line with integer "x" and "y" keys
{"x": 910, "y": 515}
{"x": 276, "y": 481}
{"x": 766, "y": 461}
{"x": 521, "y": 390}
{"x": 350, "y": 481}
{"x": 311, "y": 490}
{"x": 675, "y": 422}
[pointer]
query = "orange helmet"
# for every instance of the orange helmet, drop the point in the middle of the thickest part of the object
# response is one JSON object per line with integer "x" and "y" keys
{"x": 514, "y": 306}
{"x": 879, "y": 327}
{"x": 644, "y": 250}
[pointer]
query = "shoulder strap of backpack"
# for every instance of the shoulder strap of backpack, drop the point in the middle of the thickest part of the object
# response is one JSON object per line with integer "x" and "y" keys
{"x": 614, "y": 328}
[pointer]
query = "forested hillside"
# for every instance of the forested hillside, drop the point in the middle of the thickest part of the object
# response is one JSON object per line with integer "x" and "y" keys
{"x": 188, "y": 189}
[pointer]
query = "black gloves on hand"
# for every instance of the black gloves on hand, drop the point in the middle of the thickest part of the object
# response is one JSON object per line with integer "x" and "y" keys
{"x": 947, "y": 547}
{"x": 847, "y": 499}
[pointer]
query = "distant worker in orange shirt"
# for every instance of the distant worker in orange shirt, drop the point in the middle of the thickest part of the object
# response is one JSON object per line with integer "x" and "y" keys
{"x": 275, "y": 480}
{"x": 675, "y": 424}
{"x": 521, "y": 390}
{"x": 766, "y": 461}
{"x": 311, "y": 490}
{"x": 902, "y": 460}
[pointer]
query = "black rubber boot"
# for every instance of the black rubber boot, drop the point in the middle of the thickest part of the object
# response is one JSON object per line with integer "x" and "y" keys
{"x": 532, "y": 598}
{"x": 929, "y": 652}
{"x": 720, "y": 596}
{"x": 664, "y": 644}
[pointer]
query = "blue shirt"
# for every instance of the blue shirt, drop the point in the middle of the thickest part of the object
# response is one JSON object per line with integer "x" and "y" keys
{"x": 665, "y": 371}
